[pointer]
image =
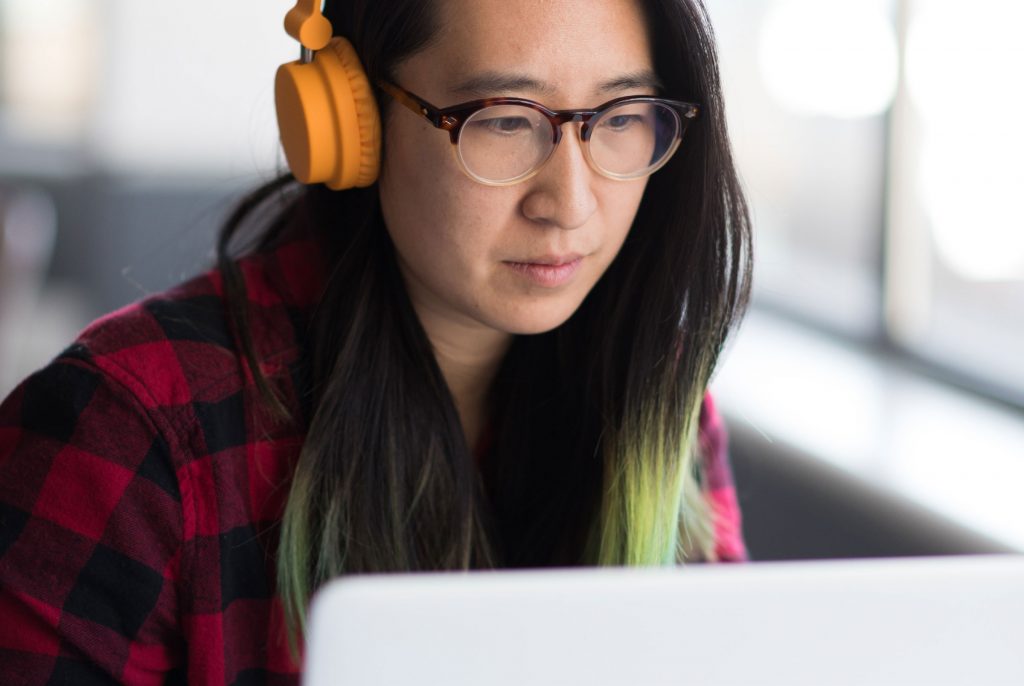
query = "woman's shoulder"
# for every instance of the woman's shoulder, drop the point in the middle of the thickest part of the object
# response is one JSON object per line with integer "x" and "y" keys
{"x": 125, "y": 471}
{"x": 181, "y": 346}
{"x": 166, "y": 349}
{"x": 714, "y": 445}
{"x": 719, "y": 484}
{"x": 170, "y": 367}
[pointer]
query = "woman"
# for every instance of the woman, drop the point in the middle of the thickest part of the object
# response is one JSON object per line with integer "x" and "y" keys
{"x": 492, "y": 358}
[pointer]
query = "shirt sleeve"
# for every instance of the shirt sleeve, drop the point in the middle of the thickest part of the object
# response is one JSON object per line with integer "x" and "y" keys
{"x": 90, "y": 533}
{"x": 719, "y": 486}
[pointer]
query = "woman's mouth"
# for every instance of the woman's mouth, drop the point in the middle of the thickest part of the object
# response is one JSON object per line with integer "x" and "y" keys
{"x": 549, "y": 272}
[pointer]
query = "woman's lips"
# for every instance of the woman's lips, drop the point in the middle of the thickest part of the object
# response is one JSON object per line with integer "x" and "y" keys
{"x": 548, "y": 272}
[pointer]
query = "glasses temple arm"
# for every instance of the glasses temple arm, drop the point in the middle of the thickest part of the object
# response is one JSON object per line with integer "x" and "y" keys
{"x": 424, "y": 109}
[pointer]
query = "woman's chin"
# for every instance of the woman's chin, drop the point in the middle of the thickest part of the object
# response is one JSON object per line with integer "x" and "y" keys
{"x": 536, "y": 320}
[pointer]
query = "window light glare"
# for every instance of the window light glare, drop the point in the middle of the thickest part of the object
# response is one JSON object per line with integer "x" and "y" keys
{"x": 963, "y": 71}
{"x": 835, "y": 58}
{"x": 970, "y": 194}
{"x": 48, "y": 64}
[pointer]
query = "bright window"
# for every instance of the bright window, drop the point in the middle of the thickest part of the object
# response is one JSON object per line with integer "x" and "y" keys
{"x": 881, "y": 145}
{"x": 140, "y": 88}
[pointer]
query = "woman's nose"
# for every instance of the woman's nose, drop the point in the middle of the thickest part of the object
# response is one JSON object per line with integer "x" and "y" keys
{"x": 561, "y": 194}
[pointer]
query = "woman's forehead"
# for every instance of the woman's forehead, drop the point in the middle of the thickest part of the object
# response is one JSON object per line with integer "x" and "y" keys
{"x": 543, "y": 47}
{"x": 485, "y": 84}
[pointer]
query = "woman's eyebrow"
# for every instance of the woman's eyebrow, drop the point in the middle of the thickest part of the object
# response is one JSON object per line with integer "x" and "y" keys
{"x": 638, "y": 79}
{"x": 492, "y": 83}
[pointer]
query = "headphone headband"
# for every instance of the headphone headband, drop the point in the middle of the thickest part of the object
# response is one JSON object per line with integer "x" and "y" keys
{"x": 326, "y": 110}
{"x": 307, "y": 24}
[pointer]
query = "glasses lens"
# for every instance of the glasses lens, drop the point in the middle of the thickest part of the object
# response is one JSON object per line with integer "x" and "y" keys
{"x": 634, "y": 138}
{"x": 503, "y": 143}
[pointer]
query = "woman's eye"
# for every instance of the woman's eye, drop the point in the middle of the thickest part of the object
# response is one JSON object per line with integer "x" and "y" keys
{"x": 622, "y": 122}
{"x": 504, "y": 125}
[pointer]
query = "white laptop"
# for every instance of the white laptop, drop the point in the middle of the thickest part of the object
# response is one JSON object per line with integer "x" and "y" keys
{"x": 950, "y": 620}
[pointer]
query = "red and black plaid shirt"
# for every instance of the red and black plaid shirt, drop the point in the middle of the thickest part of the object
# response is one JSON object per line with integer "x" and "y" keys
{"x": 141, "y": 488}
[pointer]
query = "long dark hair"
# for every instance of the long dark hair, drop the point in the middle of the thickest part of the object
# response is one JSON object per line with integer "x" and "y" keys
{"x": 594, "y": 426}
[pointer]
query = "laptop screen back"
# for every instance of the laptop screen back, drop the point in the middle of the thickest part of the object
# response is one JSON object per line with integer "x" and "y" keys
{"x": 897, "y": 621}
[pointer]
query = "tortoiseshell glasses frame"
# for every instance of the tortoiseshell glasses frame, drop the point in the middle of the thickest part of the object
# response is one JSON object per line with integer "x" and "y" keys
{"x": 452, "y": 119}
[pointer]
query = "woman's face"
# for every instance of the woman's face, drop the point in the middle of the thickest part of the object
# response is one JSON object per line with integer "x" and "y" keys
{"x": 463, "y": 246}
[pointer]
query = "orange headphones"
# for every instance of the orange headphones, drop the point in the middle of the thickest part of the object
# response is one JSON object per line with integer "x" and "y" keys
{"x": 326, "y": 112}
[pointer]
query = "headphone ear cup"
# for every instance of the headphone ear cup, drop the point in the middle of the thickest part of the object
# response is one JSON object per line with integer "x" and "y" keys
{"x": 367, "y": 117}
{"x": 328, "y": 119}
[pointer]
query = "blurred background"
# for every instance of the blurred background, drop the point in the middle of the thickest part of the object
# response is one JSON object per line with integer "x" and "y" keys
{"x": 876, "y": 393}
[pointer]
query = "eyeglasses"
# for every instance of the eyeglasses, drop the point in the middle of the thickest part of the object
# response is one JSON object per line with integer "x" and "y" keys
{"x": 501, "y": 141}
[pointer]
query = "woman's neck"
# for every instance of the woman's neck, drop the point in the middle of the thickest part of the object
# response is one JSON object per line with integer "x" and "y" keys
{"x": 469, "y": 357}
